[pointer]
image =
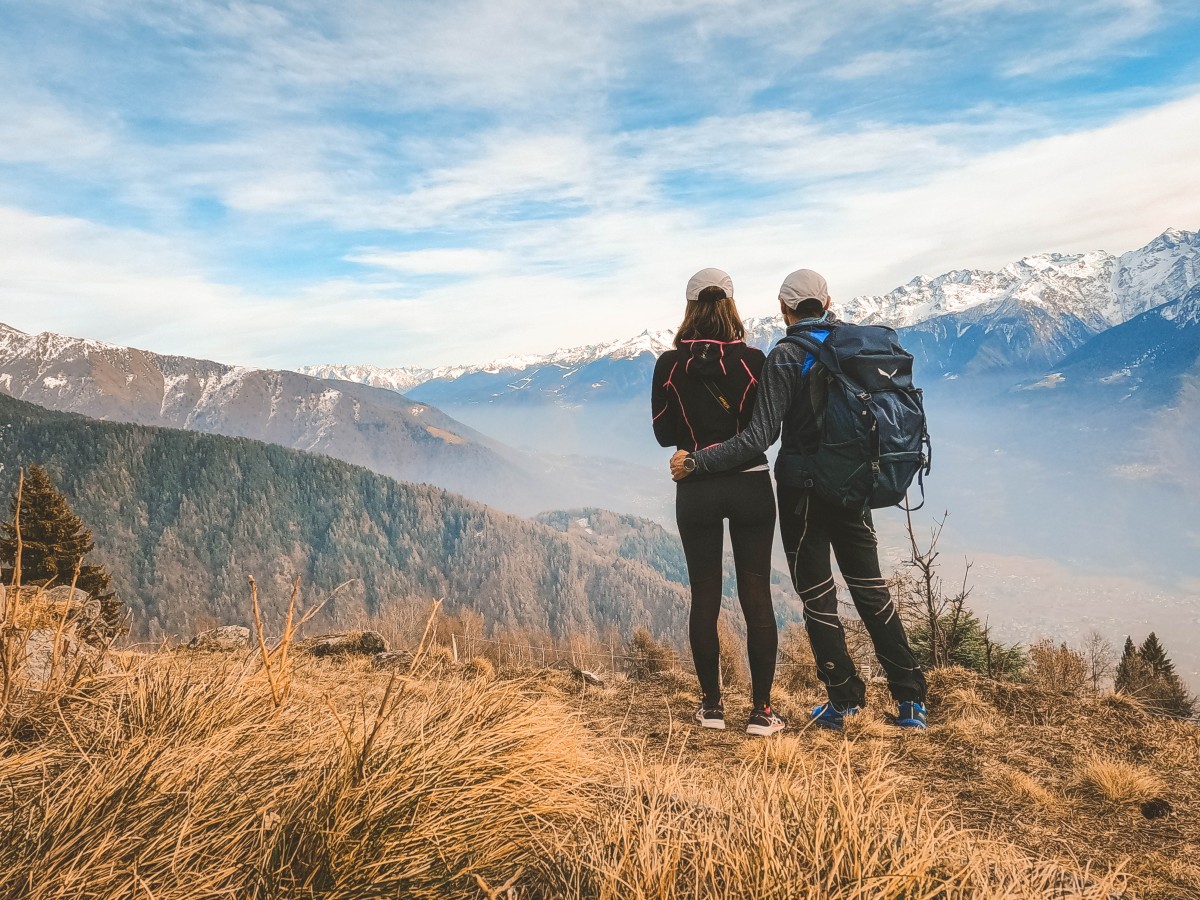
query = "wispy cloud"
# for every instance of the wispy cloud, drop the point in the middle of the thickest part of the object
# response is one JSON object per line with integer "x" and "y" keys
{"x": 875, "y": 63}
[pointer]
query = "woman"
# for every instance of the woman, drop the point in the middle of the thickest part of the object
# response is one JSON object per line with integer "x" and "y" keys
{"x": 703, "y": 393}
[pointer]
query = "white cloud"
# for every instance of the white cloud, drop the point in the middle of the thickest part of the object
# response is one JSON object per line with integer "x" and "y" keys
{"x": 617, "y": 269}
{"x": 451, "y": 261}
{"x": 875, "y": 63}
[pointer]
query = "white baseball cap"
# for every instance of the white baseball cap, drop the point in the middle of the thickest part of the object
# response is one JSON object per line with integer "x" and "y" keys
{"x": 708, "y": 278}
{"x": 801, "y": 285}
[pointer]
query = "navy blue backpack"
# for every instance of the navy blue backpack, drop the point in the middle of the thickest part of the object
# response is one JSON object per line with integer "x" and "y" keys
{"x": 874, "y": 439}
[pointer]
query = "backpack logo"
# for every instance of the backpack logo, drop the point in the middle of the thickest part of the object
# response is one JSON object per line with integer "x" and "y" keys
{"x": 891, "y": 374}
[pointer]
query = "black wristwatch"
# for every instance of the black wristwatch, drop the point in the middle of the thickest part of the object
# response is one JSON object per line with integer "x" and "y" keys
{"x": 689, "y": 463}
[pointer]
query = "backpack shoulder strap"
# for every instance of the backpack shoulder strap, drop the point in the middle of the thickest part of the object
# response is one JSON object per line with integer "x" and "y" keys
{"x": 822, "y": 351}
{"x": 805, "y": 340}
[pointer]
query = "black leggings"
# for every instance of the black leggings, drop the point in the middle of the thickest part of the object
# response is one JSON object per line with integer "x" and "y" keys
{"x": 746, "y": 499}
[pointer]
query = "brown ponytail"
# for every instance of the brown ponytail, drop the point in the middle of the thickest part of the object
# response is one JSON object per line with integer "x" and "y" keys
{"x": 712, "y": 316}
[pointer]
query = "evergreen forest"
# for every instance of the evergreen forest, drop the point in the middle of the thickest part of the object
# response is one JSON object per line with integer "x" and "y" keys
{"x": 182, "y": 520}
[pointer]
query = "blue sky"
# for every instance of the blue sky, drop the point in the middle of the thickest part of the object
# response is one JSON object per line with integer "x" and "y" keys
{"x": 418, "y": 183}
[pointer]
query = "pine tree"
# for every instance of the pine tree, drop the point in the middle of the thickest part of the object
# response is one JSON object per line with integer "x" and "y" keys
{"x": 1147, "y": 674}
{"x": 1156, "y": 657}
{"x": 54, "y": 542}
{"x": 1123, "y": 677}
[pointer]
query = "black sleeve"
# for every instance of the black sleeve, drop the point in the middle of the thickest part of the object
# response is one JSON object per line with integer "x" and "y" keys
{"x": 664, "y": 407}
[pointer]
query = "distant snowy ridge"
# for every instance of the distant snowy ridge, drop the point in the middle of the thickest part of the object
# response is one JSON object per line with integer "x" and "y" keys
{"x": 404, "y": 379}
{"x": 761, "y": 332}
{"x": 1090, "y": 291}
{"x": 1099, "y": 289}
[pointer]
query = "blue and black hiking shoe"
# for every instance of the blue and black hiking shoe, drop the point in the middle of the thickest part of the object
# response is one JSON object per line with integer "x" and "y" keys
{"x": 830, "y": 715}
{"x": 911, "y": 714}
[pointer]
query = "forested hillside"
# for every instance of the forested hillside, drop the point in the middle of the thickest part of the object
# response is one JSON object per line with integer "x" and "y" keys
{"x": 626, "y": 536}
{"x": 182, "y": 519}
{"x": 642, "y": 540}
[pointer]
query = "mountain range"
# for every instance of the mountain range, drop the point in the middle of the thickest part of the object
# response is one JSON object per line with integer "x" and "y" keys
{"x": 357, "y": 423}
{"x": 971, "y": 332}
{"x": 1014, "y": 323}
{"x": 1144, "y": 358}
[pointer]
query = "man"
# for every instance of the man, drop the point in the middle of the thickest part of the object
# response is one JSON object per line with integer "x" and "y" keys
{"x": 810, "y": 526}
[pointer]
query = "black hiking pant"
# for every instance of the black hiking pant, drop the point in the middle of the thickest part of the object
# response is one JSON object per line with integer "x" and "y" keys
{"x": 810, "y": 527}
{"x": 701, "y": 507}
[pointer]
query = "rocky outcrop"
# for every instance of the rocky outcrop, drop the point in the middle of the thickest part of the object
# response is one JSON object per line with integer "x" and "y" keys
{"x": 35, "y": 608}
{"x": 345, "y": 643}
{"x": 44, "y": 654}
{"x": 392, "y": 659}
{"x": 225, "y": 639}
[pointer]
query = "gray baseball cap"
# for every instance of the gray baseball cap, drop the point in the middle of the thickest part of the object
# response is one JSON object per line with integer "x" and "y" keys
{"x": 801, "y": 285}
{"x": 707, "y": 278}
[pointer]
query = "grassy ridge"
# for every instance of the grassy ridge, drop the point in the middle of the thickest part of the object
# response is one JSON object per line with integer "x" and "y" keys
{"x": 177, "y": 776}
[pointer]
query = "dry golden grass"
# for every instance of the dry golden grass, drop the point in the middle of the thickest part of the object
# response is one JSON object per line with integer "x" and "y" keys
{"x": 788, "y": 824}
{"x": 1015, "y": 786}
{"x": 177, "y": 780}
{"x": 1117, "y": 781}
{"x": 182, "y": 776}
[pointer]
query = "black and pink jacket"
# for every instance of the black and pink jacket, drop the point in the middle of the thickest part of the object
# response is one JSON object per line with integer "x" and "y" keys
{"x": 686, "y": 413}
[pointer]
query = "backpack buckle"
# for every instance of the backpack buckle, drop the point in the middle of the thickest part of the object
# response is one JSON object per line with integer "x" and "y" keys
{"x": 874, "y": 467}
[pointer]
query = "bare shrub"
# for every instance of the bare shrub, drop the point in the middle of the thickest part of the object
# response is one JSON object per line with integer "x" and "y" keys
{"x": 647, "y": 657}
{"x": 479, "y": 667}
{"x": 1057, "y": 668}
{"x": 798, "y": 668}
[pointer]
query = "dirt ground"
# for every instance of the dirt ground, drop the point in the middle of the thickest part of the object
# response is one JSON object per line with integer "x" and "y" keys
{"x": 1095, "y": 781}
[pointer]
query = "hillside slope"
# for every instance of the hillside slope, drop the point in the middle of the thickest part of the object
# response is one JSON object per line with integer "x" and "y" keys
{"x": 182, "y": 519}
{"x": 372, "y": 427}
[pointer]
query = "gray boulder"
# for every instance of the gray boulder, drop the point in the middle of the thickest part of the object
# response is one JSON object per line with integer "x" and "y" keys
{"x": 226, "y": 639}
{"x": 38, "y": 661}
{"x": 81, "y": 606}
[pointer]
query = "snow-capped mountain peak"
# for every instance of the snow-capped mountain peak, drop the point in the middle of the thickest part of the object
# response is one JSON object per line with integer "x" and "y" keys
{"x": 404, "y": 379}
{"x": 1096, "y": 287}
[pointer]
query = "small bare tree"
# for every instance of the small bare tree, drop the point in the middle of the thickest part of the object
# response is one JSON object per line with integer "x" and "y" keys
{"x": 942, "y": 616}
{"x": 1100, "y": 656}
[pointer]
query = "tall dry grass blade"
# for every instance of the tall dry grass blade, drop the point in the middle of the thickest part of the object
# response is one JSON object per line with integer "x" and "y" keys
{"x": 381, "y": 716}
{"x": 10, "y": 653}
{"x": 16, "y": 574}
{"x": 420, "y": 652}
{"x": 56, "y": 650}
{"x": 262, "y": 643}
